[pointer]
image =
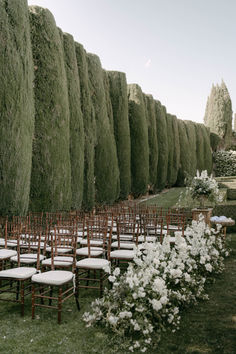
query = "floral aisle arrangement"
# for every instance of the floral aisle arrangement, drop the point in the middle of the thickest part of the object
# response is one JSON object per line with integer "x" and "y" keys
{"x": 202, "y": 188}
{"x": 148, "y": 297}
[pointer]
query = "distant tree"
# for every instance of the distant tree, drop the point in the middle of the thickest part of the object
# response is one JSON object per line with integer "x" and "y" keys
{"x": 218, "y": 114}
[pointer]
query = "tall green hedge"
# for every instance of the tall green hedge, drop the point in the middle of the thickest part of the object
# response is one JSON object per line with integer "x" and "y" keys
{"x": 16, "y": 107}
{"x": 185, "y": 154}
{"x": 139, "y": 141}
{"x": 51, "y": 168}
{"x": 171, "y": 148}
{"x": 207, "y": 149}
{"x": 76, "y": 122}
{"x": 119, "y": 101}
{"x": 176, "y": 154}
{"x": 89, "y": 128}
{"x": 191, "y": 134}
{"x": 199, "y": 147}
{"x": 152, "y": 140}
{"x": 162, "y": 139}
{"x": 107, "y": 179}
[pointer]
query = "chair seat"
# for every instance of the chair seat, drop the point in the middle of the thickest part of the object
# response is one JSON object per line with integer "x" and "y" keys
{"x": 94, "y": 251}
{"x": 53, "y": 277}
{"x": 27, "y": 258}
{"x": 147, "y": 239}
{"x": 122, "y": 254}
{"x": 92, "y": 242}
{"x": 18, "y": 273}
{"x": 5, "y": 254}
{"x": 93, "y": 263}
{"x": 123, "y": 237}
{"x": 58, "y": 261}
{"x": 123, "y": 245}
{"x": 60, "y": 250}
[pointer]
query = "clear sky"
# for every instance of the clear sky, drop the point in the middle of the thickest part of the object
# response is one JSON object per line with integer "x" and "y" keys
{"x": 174, "y": 49}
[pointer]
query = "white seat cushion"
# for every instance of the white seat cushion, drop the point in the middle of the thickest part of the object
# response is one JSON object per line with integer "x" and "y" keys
{"x": 59, "y": 261}
{"x": 2, "y": 241}
{"x": 124, "y": 245}
{"x": 27, "y": 258}
{"x": 18, "y": 273}
{"x": 53, "y": 277}
{"x": 147, "y": 239}
{"x": 5, "y": 254}
{"x": 92, "y": 242}
{"x": 123, "y": 237}
{"x": 125, "y": 254}
{"x": 94, "y": 251}
{"x": 94, "y": 263}
{"x": 60, "y": 250}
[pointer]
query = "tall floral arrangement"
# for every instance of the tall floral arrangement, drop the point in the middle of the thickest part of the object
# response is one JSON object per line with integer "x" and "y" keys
{"x": 147, "y": 298}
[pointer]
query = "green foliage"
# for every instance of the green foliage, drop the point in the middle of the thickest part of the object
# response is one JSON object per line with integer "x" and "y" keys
{"x": 200, "y": 148}
{"x": 225, "y": 163}
{"x": 152, "y": 140}
{"x": 89, "y": 128}
{"x": 214, "y": 141}
{"x": 218, "y": 114}
{"x": 119, "y": 101}
{"x": 51, "y": 169}
{"x": 191, "y": 135}
{"x": 185, "y": 154}
{"x": 176, "y": 155}
{"x": 162, "y": 139}
{"x": 16, "y": 107}
{"x": 107, "y": 180}
{"x": 171, "y": 148}
{"x": 207, "y": 149}
{"x": 76, "y": 122}
{"x": 139, "y": 141}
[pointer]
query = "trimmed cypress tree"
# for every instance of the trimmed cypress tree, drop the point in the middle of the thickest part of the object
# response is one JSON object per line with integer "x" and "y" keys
{"x": 51, "y": 169}
{"x": 16, "y": 107}
{"x": 162, "y": 140}
{"x": 176, "y": 154}
{"x": 152, "y": 140}
{"x": 119, "y": 101}
{"x": 139, "y": 141}
{"x": 171, "y": 147}
{"x": 108, "y": 99}
{"x": 76, "y": 122}
{"x": 199, "y": 147}
{"x": 191, "y": 134}
{"x": 106, "y": 164}
{"x": 218, "y": 114}
{"x": 89, "y": 128}
{"x": 207, "y": 149}
{"x": 185, "y": 154}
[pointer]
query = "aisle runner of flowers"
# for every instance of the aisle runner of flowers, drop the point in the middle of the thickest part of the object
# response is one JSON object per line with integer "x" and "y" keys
{"x": 148, "y": 297}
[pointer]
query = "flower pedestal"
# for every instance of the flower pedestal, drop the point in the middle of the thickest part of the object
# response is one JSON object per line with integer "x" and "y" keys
{"x": 206, "y": 212}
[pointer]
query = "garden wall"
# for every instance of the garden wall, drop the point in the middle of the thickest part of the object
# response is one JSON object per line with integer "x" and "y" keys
{"x": 95, "y": 138}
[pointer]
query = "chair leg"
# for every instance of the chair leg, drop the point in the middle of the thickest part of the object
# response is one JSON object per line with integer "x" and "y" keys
{"x": 51, "y": 293}
{"x": 101, "y": 282}
{"x": 59, "y": 304}
{"x": 22, "y": 293}
{"x": 17, "y": 289}
{"x": 33, "y": 301}
{"x": 87, "y": 283}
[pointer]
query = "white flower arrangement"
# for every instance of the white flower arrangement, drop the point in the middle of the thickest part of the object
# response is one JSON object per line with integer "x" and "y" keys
{"x": 202, "y": 188}
{"x": 147, "y": 298}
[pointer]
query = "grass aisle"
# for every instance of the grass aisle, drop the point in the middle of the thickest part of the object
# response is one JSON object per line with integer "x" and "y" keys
{"x": 209, "y": 326}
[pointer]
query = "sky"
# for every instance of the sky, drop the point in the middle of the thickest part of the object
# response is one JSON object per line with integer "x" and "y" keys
{"x": 174, "y": 49}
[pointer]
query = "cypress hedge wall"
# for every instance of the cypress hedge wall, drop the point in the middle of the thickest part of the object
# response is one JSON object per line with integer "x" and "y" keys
{"x": 171, "y": 147}
{"x": 152, "y": 140}
{"x": 185, "y": 154}
{"x": 139, "y": 141}
{"x": 107, "y": 179}
{"x": 199, "y": 147}
{"x": 162, "y": 139}
{"x": 176, "y": 154}
{"x": 76, "y": 122}
{"x": 16, "y": 107}
{"x": 51, "y": 168}
{"x": 207, "y": 149}
{"x": 191, "y": 134}
{"x": 89, "y": 128}
{"x": 119, "y": 101}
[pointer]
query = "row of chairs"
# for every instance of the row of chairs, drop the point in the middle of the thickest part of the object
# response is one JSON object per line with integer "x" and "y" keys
{"x": 68, "y": 251}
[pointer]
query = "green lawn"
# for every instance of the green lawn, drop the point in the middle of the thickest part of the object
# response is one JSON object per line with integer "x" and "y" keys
{"x": 208, "y": 327}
